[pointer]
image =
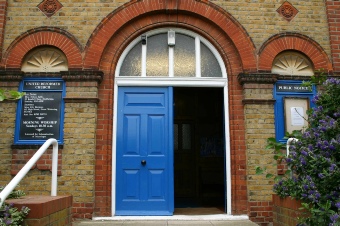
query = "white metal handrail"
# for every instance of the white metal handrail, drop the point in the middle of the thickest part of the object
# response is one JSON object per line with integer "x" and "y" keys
{"x": 22, "y": 173}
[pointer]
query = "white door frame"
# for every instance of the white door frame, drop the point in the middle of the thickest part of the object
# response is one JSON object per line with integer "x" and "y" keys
{"x": 197, "y": 81}
{"x": 182, "y": 82}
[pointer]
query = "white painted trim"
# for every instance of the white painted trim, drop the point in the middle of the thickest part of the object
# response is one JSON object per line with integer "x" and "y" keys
{"x": 213, "y": 217}
{"x": 198, "y": 56}
{"x": 175, "y": 81}
{"x": 227, "y": 148}
{"x": 143, "y": 60}
{"x": 171, "y": 62}
{"x": 114, "y": 148}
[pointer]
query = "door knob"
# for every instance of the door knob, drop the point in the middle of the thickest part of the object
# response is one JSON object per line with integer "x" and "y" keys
{"x": 143, "y": 162}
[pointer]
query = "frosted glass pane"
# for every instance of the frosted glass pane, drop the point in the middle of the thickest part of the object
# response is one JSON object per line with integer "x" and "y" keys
{"x": 157, "y": 55}
{"x": 209, "y": 65}
{"x": 132, "y": 63}
{"x": 186, "y": 136}
{"x": 184, "y": 56}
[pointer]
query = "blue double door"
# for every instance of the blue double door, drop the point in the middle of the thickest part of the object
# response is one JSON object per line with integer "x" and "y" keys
{"x": 144, "y": 153}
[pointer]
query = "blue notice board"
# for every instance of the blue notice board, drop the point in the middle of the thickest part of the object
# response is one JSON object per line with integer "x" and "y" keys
{"x": 292, "y": 100}
{"x": 40, "y": 113}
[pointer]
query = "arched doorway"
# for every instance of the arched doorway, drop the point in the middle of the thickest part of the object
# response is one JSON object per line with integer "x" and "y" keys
{"x": 184, "y": 74}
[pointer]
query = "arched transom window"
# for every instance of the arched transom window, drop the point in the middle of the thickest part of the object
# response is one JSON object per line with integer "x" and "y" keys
{"x": 171, "y": 53}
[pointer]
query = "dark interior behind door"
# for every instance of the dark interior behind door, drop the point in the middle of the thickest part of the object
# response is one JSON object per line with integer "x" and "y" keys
{"x": 199, "y": 147}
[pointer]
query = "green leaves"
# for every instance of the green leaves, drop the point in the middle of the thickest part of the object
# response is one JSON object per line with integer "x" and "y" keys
{"x": 11, "y": 214}
{"x": 10, "y": 95}
{"x": 259, "y": 170}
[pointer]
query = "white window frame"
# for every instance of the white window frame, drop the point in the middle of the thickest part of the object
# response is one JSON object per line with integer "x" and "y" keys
{"x": 197, "y": 81}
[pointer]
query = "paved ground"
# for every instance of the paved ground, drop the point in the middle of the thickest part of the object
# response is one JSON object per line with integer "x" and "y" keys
{"x": 166, "y": 223}
{"x": 176, "y": 219}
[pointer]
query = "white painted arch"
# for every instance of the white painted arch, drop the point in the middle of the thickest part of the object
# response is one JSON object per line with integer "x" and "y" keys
{"x": 197, "y": 81}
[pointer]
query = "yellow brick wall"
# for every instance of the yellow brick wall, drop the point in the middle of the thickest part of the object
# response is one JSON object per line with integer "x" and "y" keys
{"x": 259, "y": 121}
{"x": 261, "y": 21}
{"x": 78, "y": 17}
{"x": 78, "y": 157}
{"x": 258, "y": 17}
{"x": 7, "y": 121}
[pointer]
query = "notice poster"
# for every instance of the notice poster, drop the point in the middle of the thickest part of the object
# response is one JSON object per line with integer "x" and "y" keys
{"x": 40, "y": 116}
{"x": 295, "y": 113}
{"x": 297, "y": 116}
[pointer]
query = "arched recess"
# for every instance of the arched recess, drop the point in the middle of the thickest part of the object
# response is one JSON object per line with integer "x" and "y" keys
{"x": 133, "y": 19}
{"x": 39, "y": 37}
{"x": 293, "y": 41}
{"x": 204, "y": 17}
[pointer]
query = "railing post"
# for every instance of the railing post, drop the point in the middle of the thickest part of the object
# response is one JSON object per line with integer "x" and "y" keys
{"x": 54, "y": 168}
{"x": 22, "y": 173}
{"x": 289, "y": 141}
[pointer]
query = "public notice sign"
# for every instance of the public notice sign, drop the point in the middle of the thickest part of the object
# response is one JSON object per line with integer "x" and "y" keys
{"x": 292, "y": 88}
{"x": 40, "y": 112}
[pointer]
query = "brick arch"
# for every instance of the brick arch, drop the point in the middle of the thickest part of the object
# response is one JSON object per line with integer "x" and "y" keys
{"x": 43, "y": 36}
{"x": 202, "y": 15}
{"x": 293, "y": 41}
{"x": 130, "y": 21}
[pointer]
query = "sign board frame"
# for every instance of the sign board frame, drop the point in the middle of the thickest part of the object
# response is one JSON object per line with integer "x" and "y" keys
{"x": 40, "y": 113}
{"x": 286, "y": 93}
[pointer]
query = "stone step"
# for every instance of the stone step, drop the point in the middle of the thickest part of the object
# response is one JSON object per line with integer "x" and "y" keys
{"x": 166, "y": 223}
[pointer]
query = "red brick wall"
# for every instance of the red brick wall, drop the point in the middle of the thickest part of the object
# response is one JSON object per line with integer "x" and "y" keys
{"x": 21, "y": 156}
{"x": 3, "y": 12}
{"x": 333, "y": 15}
{"x": 261, "y": 212}
{"x": 285, "y": 211}
{"x": 45, "y": 210}
{"x": 292, "y": 41}
{"x": 59, "y": 38}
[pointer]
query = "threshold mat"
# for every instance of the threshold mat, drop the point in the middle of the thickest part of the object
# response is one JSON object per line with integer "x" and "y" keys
{"x": 198, "y": 211}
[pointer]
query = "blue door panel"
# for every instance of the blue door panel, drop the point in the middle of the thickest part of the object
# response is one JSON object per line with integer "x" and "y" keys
{"x": 131, "y": 182}
{"x": 156, "y": 138}
{"x": 156, "y": 181}
{"x": 144, "y": 180}
{"x": 145, "y": 100}
{"x": 131, "y": 134}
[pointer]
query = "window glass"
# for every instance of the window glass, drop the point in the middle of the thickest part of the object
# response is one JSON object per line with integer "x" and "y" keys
{"x": 157, "y": 56}
{"x": 158, "y": 53}
{"x": 132, "y": 62}
{"x": 184, "y": 56}
{"x": 209, "y": 64}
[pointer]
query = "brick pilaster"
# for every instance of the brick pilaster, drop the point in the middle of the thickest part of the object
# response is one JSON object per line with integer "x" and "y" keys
{"x": 3, "y": 12}
{"x": 333, "y": 15}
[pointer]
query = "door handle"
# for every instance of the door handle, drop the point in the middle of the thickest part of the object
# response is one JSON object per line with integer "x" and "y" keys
{"x": 143, "y": 162}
